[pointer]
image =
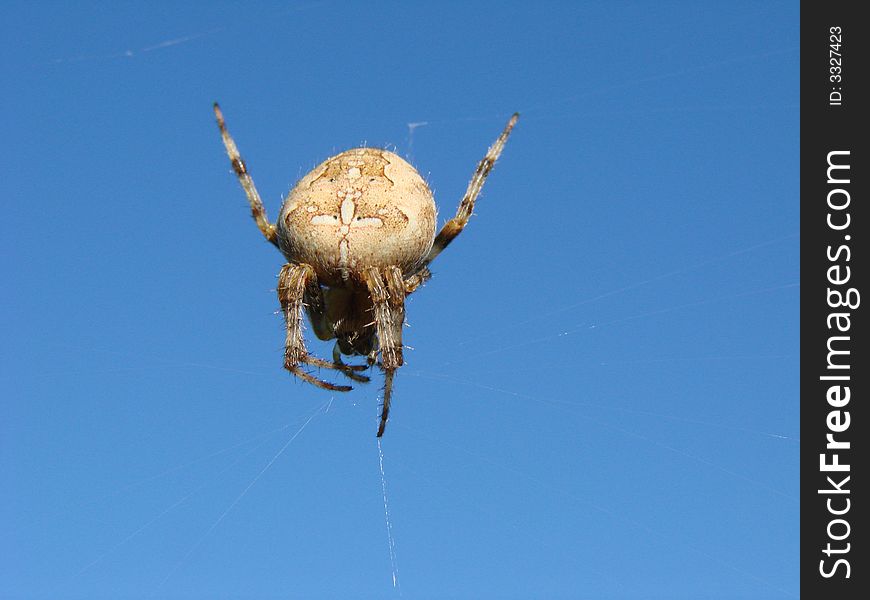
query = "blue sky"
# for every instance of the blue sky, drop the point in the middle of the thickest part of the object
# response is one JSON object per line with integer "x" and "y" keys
{"x": 602, "y": 396}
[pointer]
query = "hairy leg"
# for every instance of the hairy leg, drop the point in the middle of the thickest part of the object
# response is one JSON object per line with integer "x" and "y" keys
{"x": 295, "y": 282}
{"x": 454, "y": 226}
{"x": 388, "y": 296}
{"x": 258, "y": 211}
{"x": 412, "y": 282}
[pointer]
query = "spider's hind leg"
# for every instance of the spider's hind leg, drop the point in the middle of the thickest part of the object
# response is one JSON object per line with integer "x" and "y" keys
{"x": 258, "y": 211}
{"x": 414, "y": 281}
{"x": 454, "y": 226}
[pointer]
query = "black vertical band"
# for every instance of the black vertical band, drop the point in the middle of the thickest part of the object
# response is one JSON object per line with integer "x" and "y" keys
{"x": 834, "y": 370}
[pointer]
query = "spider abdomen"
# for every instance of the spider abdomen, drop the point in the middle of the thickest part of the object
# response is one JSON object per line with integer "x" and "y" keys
{"x": 362, "y": 208}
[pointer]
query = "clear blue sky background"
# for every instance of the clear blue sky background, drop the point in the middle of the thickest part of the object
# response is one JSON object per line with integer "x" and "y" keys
{"x": 602, "y": 396}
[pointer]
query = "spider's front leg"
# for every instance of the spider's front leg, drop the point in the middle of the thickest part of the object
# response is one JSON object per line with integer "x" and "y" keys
{"x": 387, "y": 291}
{"x": 295, "y": 284}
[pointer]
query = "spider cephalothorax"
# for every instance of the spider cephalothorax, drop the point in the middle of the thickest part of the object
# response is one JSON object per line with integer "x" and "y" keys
{"x": 358, "y": 233}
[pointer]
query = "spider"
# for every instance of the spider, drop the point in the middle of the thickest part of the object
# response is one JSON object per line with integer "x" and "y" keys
{"x": 358, "y": 233}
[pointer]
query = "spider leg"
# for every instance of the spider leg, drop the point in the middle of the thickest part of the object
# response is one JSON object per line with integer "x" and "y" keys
{"x": 454, "y": 226}
{"x": 388, "y": 296}
{"x": 292, "y": 284}
{"x": 412, "y": 282}
{"x": 258, "y": 211}
{"x": 388, "y": 396}
{"x": 347, "y": 369}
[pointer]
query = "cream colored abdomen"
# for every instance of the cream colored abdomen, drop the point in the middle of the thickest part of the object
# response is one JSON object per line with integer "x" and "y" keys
{"x": 364, "y": 207}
